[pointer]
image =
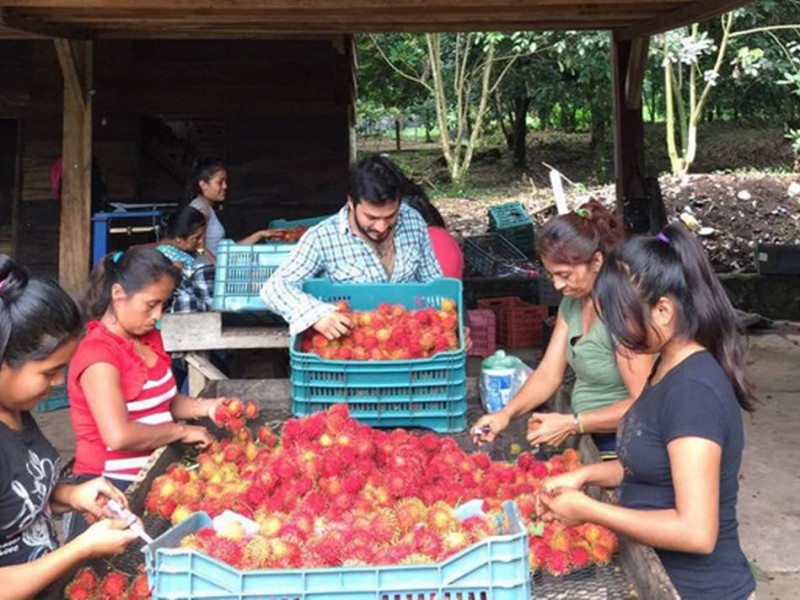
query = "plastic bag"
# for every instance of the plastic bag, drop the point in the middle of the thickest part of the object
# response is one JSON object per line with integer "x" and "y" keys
{"x": 501, "y": 378}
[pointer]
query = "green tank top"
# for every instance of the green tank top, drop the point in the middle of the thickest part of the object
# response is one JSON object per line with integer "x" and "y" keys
{"x": 592, "y": 357}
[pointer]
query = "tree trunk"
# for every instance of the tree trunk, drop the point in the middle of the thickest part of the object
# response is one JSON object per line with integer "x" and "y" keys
{"x": 428, "y": 138}
{"x": 397, "y": 133}
{"x": 521, "y": 104}
{"x": 501, "y": 119}
{"x": 544, "y": 117}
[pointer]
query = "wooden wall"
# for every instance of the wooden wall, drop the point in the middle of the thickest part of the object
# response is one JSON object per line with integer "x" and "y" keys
{"x": 277, "y": 111}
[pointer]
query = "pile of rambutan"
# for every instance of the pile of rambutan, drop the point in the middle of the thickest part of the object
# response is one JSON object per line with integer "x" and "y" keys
{"x": 390, "y": 332}
{"x": 233, "y": 414}
{"x": 360, "y": 537}
{"x": 86, "y": 585}
{"x": 367, "y": 491}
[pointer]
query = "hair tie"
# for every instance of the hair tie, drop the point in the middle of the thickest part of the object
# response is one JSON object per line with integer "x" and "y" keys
{"x": 662, "y": 237}
{"x": 582, "y": 213}
{"x": 117, "y": 256}
{"x": 3, "y": 283}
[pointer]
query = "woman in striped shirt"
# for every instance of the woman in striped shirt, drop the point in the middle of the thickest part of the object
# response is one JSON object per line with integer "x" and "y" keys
{"x": 123, "y": 399}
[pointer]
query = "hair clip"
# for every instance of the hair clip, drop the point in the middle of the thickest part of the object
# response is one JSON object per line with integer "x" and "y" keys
{"x": 582, "y": 213}
{"x": 117, "y": 256}
{"x": 663, "y": 238}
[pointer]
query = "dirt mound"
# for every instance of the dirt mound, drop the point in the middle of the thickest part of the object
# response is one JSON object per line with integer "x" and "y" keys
{"x": 736, "y": 212}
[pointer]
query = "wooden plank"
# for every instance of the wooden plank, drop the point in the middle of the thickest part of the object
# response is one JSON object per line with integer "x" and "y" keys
{"x": 73, "y": 83}
{"x": 634, "y": 76}
{"x": 690, "y": 13}
{"x": 42, "y": 27}
{"x": 17, "y": 193}
{"x": 215, "y": 6}
{"x": 76, "y": 190}
{"x": 201, "y": 371}
{"x": 371, "y": 13}
{"x": 196, "y": 332}
{"x": 629, "y": 166}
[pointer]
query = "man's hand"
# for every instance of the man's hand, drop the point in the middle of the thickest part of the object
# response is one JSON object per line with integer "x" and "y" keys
{"x": 334, "y": 325}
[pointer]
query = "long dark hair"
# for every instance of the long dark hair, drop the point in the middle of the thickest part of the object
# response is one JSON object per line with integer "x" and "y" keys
{"x": 574, "y": 238}
{"x": 36, "y": 316}
{"x": 134, "y": 270}
{"x": 203, "y": 169}
{"x": 672, "y": 264}
{"x": 184, "y": 222}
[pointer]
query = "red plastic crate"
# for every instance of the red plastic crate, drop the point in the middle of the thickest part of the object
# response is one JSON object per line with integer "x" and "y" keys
{"x": 519, "y": 324}
{"x": 482, "y": 326}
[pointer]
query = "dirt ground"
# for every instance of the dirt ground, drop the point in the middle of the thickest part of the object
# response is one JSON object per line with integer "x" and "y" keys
{"x": 745, "y": 190}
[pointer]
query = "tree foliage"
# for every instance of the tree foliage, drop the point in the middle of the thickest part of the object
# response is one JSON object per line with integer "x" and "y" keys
{"x": 741, "y": 68}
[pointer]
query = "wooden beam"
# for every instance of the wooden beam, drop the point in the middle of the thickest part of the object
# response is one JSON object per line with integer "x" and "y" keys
{"x": 628, "y": 59}
{"x": 32, "y": 25}
{"x": 695, "y": 12}
{"x": 76, "y": 174}
{"x": 73, "y": 83}
{"x": 217, "y": 6}
{"x": 634, "y": 76}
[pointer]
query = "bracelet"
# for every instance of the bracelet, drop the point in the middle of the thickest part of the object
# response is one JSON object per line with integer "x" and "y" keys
{"x": 579, "y": 423}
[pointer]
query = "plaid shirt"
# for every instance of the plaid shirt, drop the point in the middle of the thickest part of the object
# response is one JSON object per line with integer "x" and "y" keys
{"x": 333, "y": 251}
{"x": 194, "y": 293}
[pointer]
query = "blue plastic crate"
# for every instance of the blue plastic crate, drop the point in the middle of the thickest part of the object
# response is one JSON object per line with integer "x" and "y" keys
{"x": 241, "y": 271}
{"x": 493, "y": 569}
{"x": 289, "y": 223}
{"x": 425, "y": 392}
{"x": 514, "y": 222}
{"x": 57, "y": 400}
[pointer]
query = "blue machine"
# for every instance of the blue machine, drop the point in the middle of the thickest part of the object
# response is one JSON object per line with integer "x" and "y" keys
{"x": 121, "y": 229}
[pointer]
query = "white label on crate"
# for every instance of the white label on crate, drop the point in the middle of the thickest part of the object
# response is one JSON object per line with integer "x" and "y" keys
{"x": 763, "y": 257}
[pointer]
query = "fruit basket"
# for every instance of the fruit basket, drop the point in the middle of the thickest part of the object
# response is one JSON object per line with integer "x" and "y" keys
{"x": 519, "y": 324}
{"x": 492, "y": 255}
{"x": 495, "y": 568}
{"x": 483, "y": 330}
{"x": 241, "y": 271}
{"x": 425, "y": 392}
{"x": 289, "y": 223}
{"x": 514, "y": 223}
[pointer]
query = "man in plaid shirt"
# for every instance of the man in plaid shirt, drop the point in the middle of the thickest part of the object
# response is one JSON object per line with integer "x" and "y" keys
{"x": 374, "y": 238}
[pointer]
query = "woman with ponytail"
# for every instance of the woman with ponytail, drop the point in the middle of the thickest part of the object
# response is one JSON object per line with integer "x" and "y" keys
{"x": 124, "y": 403}
{"x": 680, "y": 445}
{"x": 39, "y": 329}
{"x": 206, "y": 191}
{"x": 608, "y": 378}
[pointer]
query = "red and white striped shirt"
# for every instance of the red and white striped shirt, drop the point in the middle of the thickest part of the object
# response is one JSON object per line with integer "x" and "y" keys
{"x": 150, "y": 407}
{"x": 148, "y": 393}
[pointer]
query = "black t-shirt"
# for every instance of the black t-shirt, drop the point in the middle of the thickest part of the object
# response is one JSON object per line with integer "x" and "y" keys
{"x": 29, "y": 470}
{"x": 695, "y": 399}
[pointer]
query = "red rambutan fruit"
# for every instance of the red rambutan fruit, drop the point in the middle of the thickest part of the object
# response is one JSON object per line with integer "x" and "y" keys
{"x": 113, "y": 586}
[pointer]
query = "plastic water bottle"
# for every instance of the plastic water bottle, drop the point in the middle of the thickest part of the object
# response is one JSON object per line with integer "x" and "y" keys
{"x": 497, "y": 380}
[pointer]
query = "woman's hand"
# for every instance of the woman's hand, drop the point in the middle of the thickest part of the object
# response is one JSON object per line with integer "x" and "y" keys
{"x": 568, "y": 505}
{"x": 106, "y": 537}
{"x": 493, "y": 424}
{"x": 91, "y": 497}
{"x": 266, "y": 234}
{"x": 574, "y": 480}
{"x": 197, "y": 436}
{"x": 551, "y": 429}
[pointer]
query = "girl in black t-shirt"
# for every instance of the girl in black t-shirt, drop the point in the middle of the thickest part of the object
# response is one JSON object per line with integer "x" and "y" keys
{"x": 39, "y": 329}
{"x": 680, "y": 445}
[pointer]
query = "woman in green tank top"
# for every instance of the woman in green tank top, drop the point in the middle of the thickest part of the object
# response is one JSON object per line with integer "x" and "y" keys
{"x": 608, "y": 378}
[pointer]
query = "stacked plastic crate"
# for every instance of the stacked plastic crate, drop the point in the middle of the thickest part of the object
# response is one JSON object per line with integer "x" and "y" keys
{"x": 424, "y": 392}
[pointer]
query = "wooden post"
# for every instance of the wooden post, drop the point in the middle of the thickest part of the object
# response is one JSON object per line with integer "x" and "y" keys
{"x": 76, "y": 60}
{"x": 629, "y": 59}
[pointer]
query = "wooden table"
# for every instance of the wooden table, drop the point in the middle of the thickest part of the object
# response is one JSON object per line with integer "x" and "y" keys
{"x": 196, "y": 334}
